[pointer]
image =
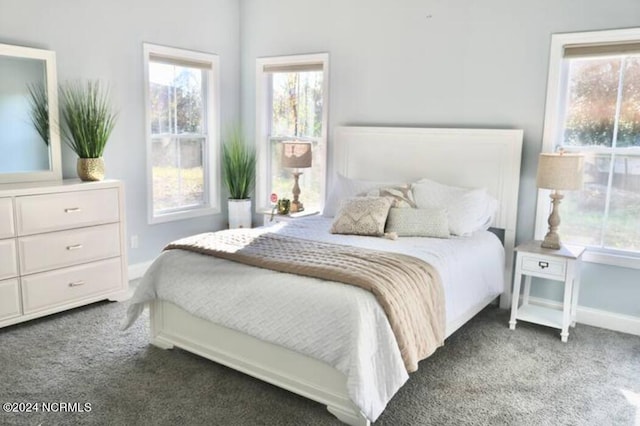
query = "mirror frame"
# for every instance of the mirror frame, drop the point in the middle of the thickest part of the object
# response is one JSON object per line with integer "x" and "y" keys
{"x": 55, "y": 171}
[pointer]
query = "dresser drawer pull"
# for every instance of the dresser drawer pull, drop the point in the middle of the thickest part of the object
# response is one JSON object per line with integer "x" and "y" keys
{"x": 72, "y": 210}
{"x": 543, "y": 265}
{"x": 74, "y": 247}
{"x": 76, "y": 284}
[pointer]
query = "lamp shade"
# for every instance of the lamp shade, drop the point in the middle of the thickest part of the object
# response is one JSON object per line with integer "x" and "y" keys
{"x": 560, "y": 171}
{"x": 296, "y": 155}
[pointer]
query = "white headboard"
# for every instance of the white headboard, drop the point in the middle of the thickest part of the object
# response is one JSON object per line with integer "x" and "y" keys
{"x": 474, "y": 158}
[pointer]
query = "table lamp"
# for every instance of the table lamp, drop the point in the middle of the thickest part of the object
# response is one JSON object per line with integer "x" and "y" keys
{"x": 558, "y": 171}
{"x": 296, "y": 155}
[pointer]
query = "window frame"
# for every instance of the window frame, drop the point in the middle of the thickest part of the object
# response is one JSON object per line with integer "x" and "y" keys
{"x": 263, "y": 114}
{"x": 211, "y": 157}
{"x": 554, "y": 113}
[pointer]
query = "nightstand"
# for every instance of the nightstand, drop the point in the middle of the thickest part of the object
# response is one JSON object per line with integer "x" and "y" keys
{"x": 558, "y": 265}
{"x": 277, "y": 218}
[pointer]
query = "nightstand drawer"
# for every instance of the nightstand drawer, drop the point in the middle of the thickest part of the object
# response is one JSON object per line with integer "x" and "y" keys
{"x": 543, "y": 267}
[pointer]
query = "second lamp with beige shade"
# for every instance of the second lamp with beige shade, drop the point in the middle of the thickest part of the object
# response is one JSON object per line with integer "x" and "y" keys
{"x": 558, "y": 171}
{"x": 296, "y": 155}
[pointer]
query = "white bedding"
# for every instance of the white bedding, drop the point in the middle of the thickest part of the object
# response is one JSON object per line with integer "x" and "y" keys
{"x": 339, "y": 324}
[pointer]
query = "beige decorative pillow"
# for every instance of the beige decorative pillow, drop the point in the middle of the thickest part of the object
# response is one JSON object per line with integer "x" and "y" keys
{"x": 362, "y": 216}
{"x": 400, "y": 195}
{"x": 418, "y": 222}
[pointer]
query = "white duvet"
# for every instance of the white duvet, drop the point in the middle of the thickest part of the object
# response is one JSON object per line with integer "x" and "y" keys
{"x": 339, "y": 324}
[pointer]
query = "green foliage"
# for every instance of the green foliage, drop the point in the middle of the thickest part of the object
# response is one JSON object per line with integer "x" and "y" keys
{"x": 88, "y": 118}
{"x": 177, "y": 104}
{"x": 238, "y": 166}
{"x": 39, "y": 104}
{"x": 297, "y": 104}
{"x": 593, "y": 94}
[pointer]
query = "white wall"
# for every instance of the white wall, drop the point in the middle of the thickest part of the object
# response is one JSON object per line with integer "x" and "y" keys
{"x": 103, "y": 40}
{"x": 458, "y": 63}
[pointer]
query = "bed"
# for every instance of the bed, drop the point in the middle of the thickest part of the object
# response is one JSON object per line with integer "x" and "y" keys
{"x": 354, "y": 391}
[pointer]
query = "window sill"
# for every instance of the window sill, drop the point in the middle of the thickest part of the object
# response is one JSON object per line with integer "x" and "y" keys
{"x": 185, "y": 214}
{"x": 611, "y": 259}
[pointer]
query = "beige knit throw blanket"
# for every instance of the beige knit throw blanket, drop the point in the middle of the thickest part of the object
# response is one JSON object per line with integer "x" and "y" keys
{"x": 408, "y": 289}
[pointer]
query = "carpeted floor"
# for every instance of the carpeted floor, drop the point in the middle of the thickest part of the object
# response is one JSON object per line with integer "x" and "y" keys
{"x": 486, "y": 374}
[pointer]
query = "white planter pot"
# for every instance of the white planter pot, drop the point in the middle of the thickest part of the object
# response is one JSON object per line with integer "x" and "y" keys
{"x": 239, "y": 213}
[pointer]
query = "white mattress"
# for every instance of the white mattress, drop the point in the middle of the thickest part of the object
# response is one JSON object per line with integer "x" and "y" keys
{"x": 339, "y": 324}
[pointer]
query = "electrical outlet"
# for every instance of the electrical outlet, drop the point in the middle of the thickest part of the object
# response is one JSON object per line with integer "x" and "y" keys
{"x": 134, "y": 241}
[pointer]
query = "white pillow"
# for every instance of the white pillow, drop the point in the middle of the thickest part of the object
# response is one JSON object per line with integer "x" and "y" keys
{"x": 344, "y": 187}
{"x": 468, "y": 210}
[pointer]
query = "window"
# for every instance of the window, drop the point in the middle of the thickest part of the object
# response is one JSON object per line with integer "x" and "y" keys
{"x": 593, "y": 107}
{"x": 182, "y": 132}
{"x": 291, "y": 106}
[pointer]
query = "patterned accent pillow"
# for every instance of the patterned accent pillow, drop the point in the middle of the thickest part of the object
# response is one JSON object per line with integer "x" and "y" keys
{"x": 400, "y": 195}
{"x": 418, "y": 222}
{"x": 362, "y": 216}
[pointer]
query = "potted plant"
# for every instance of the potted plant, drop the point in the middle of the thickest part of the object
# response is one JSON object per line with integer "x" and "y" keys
{"x": 239, "y": 173}
{"x": 88, "y": 120}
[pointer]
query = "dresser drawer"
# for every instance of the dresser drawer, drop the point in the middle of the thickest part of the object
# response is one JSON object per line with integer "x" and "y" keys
{"x": 54, "y": 212}
{"x": 9, "y": 299}
{"x": 7, "y": 228}
{"x": 542, "y": 266}
{"x": 59, "y": 249}
{"x": 49, "y": 289}
{"x": 8, "y": 260}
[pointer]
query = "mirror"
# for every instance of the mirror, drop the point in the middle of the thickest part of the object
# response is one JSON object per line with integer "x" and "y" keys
{"x": 29, "y": 148}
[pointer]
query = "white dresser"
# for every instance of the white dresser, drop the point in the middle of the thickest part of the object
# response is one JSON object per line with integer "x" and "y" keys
{"x": 62, "y": 245}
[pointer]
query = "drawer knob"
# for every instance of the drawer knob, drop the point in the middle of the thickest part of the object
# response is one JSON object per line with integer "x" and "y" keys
{"x": 74, "y": 247}
{"x": 72, "y": 210}
{"x": 76, "y": 283}
{"x": 543, "y": 265}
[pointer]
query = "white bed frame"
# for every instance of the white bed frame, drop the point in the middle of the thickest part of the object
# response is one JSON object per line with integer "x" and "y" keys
{"x": 463, "y": 157}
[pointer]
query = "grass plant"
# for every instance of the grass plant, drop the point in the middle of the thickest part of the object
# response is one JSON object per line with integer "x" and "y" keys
{"x": 238, "y": 166}
{"x": 88, "y": 117}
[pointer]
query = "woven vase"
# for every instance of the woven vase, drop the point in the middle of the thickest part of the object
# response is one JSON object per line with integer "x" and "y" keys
{"x": 90, "y": 169}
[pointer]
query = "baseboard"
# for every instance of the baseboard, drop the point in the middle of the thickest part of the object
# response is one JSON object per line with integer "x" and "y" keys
{"x": 597, "y": 317}
{"x": 137, "y": 270}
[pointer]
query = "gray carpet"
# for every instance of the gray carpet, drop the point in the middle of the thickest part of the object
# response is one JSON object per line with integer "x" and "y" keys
{"x": 486, "y": 374}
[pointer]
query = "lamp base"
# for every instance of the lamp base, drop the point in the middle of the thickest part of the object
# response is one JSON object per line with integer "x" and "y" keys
{"x": 296, "y": 205}
{"x": 552, "y": 239}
